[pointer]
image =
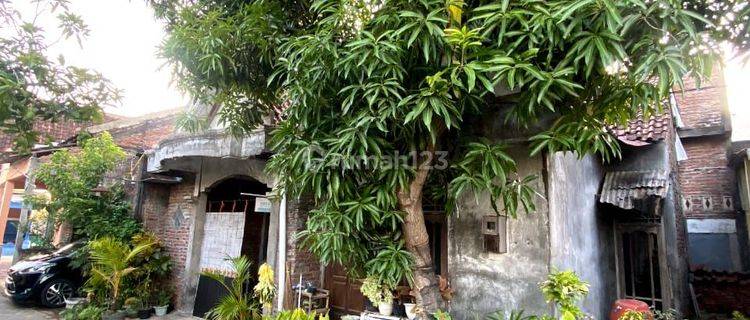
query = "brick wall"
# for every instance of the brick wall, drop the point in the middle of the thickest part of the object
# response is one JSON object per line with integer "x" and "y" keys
{"x": 705, "y": 106}
{"x": 706, "y": 180}
{"x": 299, "y": 260}
{"x": 722, "y": 292}
{"x": 167, "y": 210}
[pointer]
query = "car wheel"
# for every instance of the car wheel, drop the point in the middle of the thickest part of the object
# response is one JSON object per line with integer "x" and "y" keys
{"x": 55, "y": 292}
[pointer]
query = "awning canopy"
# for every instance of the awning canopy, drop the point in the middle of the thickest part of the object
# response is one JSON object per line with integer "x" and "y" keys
{"x": 640, "y": 190}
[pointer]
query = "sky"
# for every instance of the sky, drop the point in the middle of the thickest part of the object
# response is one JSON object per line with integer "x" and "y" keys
{"x": 123, "y": 43}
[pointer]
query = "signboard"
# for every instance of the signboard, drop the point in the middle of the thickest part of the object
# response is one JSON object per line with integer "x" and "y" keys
{"x": 262, "y": 205}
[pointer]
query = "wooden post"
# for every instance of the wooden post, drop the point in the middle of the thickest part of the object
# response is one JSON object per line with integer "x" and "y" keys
{"x": 23, "y": 223}
{"x": 5, "y": 205}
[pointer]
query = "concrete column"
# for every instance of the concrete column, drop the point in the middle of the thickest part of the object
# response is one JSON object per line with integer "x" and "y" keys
{"x": 191, "y": 275}
{"x": 7, "y": 193}
{"x": 23, "y": 223}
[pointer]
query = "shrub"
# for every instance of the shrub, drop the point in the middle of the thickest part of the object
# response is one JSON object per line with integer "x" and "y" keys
{"x": 88, "y": 312}
{"x": 565, "y": 289}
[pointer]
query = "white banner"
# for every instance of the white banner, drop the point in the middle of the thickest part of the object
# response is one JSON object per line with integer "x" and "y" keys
{"x": 223, "y": 233}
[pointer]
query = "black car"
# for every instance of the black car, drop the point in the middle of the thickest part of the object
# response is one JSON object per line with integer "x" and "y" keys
{"x": 48, "y": 279}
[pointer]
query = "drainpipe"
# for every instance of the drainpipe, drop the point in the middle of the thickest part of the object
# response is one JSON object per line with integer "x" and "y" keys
{"x": 281, "y": 257}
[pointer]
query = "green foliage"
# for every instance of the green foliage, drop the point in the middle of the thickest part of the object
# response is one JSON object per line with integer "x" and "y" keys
{"x": 238, "y": 303}
{"x": 632, "y": 315}
{"x": 79, "y": 312}
{"x": 736, "y": 315}
{"x": 70, "y": 177}
{"x": 515, "y": 315}
{"x": 565, "y": 289}
{"x": 376, "y": 291}
{"x": 359, "y": 81}
{"x": 442, "y": 315}
{"x": 111, "y": 265}
{"x": 36, "y": 87}
{"x": 296, "y": 314}
{"x": 670, "y": 314}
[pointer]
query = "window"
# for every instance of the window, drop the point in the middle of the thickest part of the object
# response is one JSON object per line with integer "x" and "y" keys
{"x": 639, "y": 266}
{"x": 494, "y": 233}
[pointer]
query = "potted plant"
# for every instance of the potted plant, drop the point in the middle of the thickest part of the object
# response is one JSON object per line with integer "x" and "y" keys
{"x": 163, "y": 298}
{"x": 110, "y": 264}
{"x": 131, "y": 307}
{"x": 379, "y": 294}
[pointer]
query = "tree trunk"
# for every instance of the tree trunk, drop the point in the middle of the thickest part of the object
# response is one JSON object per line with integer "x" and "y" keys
{"x": 425, "y": 286}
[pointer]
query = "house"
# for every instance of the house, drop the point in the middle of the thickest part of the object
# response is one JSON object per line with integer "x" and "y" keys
{"x": 206, "y": 195}
{"x": 617, "y": 224}
{"x": 132, "y": 134}
{"x": 709, "y": 185}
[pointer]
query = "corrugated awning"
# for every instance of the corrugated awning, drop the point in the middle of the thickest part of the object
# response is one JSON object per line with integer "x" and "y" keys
{"x": 630, "y": 189}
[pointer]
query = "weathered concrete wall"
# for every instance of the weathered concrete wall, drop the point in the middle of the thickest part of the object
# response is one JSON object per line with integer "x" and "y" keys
{"x": 485, "y": 282}
{"x": 581, "y": 239}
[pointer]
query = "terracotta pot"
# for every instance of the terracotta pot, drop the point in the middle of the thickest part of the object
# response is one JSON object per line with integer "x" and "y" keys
{"x": 624, "y": 305}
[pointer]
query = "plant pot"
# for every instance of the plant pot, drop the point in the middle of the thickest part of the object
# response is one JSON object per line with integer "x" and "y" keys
{"x": 161, "y": 310}
{"x": 410, "y": 310}
{"x": 113, "y": 315}
{"x": 131, "y": 313}
{"x": 144, "y": 313}
{"x": 385, "y": 309}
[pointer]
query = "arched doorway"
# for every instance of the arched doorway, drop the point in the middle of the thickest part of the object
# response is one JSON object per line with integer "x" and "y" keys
{"x": 237, "y": 220}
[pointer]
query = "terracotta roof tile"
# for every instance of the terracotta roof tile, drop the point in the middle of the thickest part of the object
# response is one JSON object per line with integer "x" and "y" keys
{"x": 640, "y": 131}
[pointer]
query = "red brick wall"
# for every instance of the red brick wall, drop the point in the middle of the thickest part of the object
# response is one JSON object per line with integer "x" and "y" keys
{"x": 299, "y": 260}
{"x": 706, "y": 175}
{"x": 162, "y": 205}
{"x": 722, "y": 292}
{"x": 705, "y": 106}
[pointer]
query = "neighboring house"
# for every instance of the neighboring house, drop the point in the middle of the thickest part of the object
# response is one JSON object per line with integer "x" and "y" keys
{"x": 205, "y": 196}
{"x": 617, "y": 225}
{"x": 708, "y": 183}
{"x": 132, "y": 134}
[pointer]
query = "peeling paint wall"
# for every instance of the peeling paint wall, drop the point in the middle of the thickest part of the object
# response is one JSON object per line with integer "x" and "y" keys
{"x": 581, "y": 239}
{"x": 485, "y": 282}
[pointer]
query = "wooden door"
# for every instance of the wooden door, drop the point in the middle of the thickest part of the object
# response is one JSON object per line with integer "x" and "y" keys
{"x": 345, "y": 295}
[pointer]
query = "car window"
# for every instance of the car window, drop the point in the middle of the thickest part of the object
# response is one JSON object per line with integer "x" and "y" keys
{"x": 68, "y": 248}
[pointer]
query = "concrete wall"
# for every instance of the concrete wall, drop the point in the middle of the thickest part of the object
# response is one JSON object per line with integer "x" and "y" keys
{"x": 581, "y": 239}
{"x": 485, "y": 282}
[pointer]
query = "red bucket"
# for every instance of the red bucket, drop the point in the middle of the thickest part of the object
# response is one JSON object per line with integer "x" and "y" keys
{"x": 621, "y": 306}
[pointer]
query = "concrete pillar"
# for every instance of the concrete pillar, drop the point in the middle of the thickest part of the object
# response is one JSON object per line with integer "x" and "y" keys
{"x": 23, "y": 223}
{"x": 7, "y": 194}
{"x": 191, "y": 275}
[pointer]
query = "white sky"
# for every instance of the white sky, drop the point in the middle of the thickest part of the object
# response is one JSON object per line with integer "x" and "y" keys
{"x": 122, "y": 46}
{"x": 124, "y": 36}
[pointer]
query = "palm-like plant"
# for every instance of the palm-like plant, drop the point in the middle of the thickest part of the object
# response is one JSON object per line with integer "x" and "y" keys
{"x": 238, "y": 303}
{"x": 111, "y": 263}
